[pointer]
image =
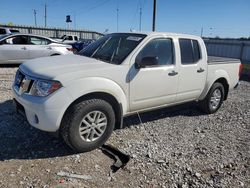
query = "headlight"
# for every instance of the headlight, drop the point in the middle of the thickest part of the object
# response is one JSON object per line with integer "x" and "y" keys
{"x": 43, "y": 88}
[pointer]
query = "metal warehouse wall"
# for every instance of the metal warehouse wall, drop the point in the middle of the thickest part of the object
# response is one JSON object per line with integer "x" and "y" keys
{"x": 229, "y": 48}
{"x": 55, "y": 32}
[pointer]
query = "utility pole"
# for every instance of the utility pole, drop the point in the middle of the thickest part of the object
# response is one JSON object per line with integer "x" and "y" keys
{"x": 140, "y": 18}
{"x": 117, "y": 19}
{"x": 202, "y": 31}
{"x": 45, "y": 15}
{"x": 154, "y": 16}
{"x": 75, "y": 20}
{"x": 35, "y": 16}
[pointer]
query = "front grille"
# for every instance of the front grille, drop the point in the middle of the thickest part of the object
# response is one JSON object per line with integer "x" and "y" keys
{"x": 22, "y": 83}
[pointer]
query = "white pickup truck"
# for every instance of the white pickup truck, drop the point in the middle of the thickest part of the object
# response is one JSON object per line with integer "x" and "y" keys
{"x": 85, "y": 97}
{"x": 67, "y": 39}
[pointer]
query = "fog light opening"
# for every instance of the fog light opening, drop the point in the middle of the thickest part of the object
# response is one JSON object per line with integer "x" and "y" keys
{"x": 36, "y": 119}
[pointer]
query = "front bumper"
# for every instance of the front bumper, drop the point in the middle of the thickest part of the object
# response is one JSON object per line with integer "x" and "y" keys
{"x": 44, "y": 113}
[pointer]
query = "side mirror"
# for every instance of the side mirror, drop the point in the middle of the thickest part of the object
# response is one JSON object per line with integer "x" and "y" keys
{"x": 146, "y": 62}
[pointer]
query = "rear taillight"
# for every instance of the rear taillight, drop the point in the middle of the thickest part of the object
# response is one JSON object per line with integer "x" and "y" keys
{"x": 240, "y": 69}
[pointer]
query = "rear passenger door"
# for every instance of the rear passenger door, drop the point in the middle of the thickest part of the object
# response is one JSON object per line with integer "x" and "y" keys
{"x": 38, "y": 47}
{"x": 192, "y": 70}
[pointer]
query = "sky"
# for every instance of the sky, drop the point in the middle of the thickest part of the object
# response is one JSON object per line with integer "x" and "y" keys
{"x": 223, "y": 18}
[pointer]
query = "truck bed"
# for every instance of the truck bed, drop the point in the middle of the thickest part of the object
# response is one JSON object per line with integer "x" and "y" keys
{"x": 222, "y": 60}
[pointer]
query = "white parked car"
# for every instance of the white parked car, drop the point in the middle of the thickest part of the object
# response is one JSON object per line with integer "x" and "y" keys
{"x": 17, "y": 48}
{"x": 85, "y": 97}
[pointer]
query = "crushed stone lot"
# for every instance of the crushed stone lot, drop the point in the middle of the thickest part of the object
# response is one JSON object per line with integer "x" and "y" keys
{"x": 173, "y": 147}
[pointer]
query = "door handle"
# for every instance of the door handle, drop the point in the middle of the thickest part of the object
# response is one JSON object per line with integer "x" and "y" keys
{"x": 173, "y": 73}
{"x": 200, "y": 70}
{"x": 24, "y": 48}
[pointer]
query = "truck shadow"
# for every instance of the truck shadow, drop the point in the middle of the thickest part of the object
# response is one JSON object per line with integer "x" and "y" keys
{"x": 187, "y": 109}
{"x": 21, "y": 141}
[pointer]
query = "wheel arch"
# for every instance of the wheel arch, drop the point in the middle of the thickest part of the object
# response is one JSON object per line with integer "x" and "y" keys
{"x": 222, "y": 80}
{"x": 117, "y": 107}
{"x": 225, "y": 84}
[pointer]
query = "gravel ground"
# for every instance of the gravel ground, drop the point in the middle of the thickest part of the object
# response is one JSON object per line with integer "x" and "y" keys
{"x": 173, "y": 147}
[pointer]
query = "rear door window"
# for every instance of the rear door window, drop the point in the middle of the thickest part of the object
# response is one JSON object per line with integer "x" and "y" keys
{"x": 196, "y": 50}
{"x": 38, "y": 41}
{"x": 190, "y": 51}
{"x": 69, "y": 38}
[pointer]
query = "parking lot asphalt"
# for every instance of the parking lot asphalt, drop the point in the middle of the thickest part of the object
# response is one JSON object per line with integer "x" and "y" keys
{"x": 171, "y": 147}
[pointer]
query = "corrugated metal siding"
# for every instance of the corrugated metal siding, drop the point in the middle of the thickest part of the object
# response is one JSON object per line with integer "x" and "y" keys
{"x": 55, "y": 32}
{"x": 229, "y": 48}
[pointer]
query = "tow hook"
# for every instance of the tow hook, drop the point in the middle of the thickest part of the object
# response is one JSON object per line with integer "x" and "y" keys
{"x": 120, "y": 158}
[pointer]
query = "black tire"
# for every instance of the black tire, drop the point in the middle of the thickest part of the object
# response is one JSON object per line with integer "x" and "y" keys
{"x": 205, "y": 105}
{"x": 72, "y": 121}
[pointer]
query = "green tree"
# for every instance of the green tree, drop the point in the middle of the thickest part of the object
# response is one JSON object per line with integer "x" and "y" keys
{"x": 10, "y": 24}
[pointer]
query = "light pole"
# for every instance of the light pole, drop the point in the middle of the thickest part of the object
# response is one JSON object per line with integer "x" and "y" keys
{"x": 154, "y": 16}
{"x": 45, "y": 15}
{"x": 35, "y": 16}
{"x": 140, "y": 18}
{"x": 117, "y": 18}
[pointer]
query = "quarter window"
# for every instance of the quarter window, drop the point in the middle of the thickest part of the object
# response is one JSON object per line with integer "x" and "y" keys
{"x": 190, "y": 51}
{"x": 160, "y": 48}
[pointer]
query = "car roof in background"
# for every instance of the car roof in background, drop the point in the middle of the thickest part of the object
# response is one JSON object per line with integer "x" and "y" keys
{"x": 24, "y": 34}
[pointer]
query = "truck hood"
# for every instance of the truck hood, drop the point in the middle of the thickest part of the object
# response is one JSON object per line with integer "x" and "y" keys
{"x": 59, "y": 67}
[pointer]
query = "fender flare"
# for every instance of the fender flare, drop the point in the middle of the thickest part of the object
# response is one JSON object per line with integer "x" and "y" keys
{"x": 218, "y": 74}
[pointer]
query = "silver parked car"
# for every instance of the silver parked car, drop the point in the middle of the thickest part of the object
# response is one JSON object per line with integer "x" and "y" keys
{"x": 17, "y": 48}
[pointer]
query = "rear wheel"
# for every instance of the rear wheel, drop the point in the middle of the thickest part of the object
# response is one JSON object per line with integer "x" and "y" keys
{"x": 214, "y": 99}
{"x": 88, "y": 124}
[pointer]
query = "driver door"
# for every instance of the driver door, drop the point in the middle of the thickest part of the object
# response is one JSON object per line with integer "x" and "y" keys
{"x": 154, "y": 85}
{"x": 14, "y": 50}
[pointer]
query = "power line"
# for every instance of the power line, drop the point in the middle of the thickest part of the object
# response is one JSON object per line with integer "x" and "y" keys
{"x": 94, "y": 7}
{"x": 134, "y": 16}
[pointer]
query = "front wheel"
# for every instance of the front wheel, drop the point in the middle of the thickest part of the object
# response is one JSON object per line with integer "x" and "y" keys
{"x": 214, "y": 99}
{"x": 88, "y": 124}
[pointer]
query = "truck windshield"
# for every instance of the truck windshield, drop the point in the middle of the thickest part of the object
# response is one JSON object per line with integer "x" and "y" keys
{"x": 113, "y": 48}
